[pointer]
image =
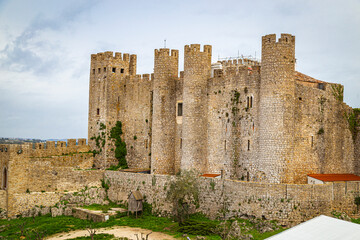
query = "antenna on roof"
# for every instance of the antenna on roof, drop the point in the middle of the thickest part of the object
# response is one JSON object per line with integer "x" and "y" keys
{"x": 164, "y": 43}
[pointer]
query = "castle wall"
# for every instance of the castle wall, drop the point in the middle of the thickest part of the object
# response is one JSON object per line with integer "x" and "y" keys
{"x": 137, "y": 120}
{"x": 287, "y": 203}
{"x": 164, "y": 111}
{"x": 118, "y": 94}
{"x": 232, "y": 136}
{"x": 47, "y": 167}
{"x": 3, "y": 200}
{"x": 323, "y": 140}
{"x": 277, "y": 106}
{"x": 179, "y": 87}
{"x": 197, "y": 69}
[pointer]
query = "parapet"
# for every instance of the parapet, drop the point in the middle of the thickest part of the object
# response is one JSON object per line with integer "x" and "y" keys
{"x": 195, "y": 48}
{"x": 284, "y": 39}
{"x": 166, "y": 52}
{"x": 110, "y": 56}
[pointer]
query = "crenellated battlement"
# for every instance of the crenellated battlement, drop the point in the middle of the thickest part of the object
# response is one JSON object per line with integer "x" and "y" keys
{"x": 142, "y": 78}
{"x": 110, "y": 56}
{"x": 285, "y": 38}
{"x": 195, "y": 48}
{"x": 166, "y": 52}
{"x": 47, "y": 148}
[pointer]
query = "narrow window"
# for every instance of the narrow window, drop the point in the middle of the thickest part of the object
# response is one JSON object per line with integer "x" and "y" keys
{"x": 118, "y": 99}
{"x": 312, "y": 141}
{"x": 104, "y": 69}
{"x": 180, "y": 109}
{"x": 251, "y": 102}
{"x": 248, "y": 145}
{"x": 39, "y": 146}
{"x": 121, "y": 70}
{"x": 98, "y": 111}
{"x": 5, "y": 179}
{"x": 180, "y": 143}
{"x": 113, "y": 70}
{"x": 94, "y": 71}
{"x": 99, "y": 70}
{"x": 247, "y": 102}
{"x": 247, "y": 176}
{"x": 225, "y": 145}
{"x": 146, "y": 143}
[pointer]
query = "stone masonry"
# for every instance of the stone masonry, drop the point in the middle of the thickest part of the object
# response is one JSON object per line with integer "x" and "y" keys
{"x": 254, "y": 121}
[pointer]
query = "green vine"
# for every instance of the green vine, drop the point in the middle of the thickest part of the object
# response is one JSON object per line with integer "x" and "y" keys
{"x": 338, "y": 92}
{"x": 354, "y": 122}
{"x": 120, "y": 146}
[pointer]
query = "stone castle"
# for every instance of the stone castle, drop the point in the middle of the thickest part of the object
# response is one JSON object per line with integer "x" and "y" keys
{"x": 252, "y": 121}
{"x": 257, "y": 124}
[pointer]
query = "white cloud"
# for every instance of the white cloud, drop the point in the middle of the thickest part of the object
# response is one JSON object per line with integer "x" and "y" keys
{"x": 45, "y": 48}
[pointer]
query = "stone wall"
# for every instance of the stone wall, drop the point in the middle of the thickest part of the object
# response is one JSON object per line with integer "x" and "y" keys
{"x": 287, "y": 203}
{"x": 197, "y": 70}
{"x": 164, "y": 111}
{"x": 47, "y": 192}
{"x": 118, "y": 94}
{"x": 3, "y": 199}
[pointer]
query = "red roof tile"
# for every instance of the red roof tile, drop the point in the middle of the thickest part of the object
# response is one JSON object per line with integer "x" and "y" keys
{"x": 210, "y": 175}
{"x": 335, "y": 177}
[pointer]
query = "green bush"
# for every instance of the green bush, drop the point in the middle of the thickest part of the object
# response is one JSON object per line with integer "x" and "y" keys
{"x": 195, "y": 227}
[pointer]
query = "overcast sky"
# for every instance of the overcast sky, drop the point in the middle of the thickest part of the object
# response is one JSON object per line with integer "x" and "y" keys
{"x": 45, "y": 48}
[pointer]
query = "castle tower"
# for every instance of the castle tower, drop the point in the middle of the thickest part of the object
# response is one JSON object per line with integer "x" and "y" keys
{"x": 106, "y": 71}
{"x": 164, "y": 111}
{"x": 276, "y": 112}
{"x": 197, "y": 70}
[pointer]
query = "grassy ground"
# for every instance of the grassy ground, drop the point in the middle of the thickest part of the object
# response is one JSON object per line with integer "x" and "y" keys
{"x": 46, "y": 226}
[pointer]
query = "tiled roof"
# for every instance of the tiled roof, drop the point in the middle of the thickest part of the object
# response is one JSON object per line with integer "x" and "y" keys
{"x": 305, "y": 78}
{"x": 137, "y": 195}
{"x": 210, "y": 175}
{"x": 335, "y": 177}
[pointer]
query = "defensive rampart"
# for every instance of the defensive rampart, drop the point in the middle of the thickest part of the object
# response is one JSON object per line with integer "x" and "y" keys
{"x": 287, "y": 203}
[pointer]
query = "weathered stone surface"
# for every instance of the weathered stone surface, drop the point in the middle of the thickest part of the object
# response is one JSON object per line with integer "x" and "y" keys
{"x": 287, "y": 203}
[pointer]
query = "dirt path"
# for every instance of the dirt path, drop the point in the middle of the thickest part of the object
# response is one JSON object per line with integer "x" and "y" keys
{"x": 118, "y": 231}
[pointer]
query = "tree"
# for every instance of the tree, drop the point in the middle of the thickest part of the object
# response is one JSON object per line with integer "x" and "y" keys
{"x": 184, "y": 193}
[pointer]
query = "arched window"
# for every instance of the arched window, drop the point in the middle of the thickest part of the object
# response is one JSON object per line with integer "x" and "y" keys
{"x": 4, "y": 179}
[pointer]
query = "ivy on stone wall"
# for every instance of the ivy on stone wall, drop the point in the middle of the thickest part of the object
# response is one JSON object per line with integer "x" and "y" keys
{"x": 120, "y": 145}
{"x": 338, "y": 92}
{"x": 354, "y": 122}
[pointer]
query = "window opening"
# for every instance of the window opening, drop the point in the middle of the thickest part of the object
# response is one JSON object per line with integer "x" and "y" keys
{"x": 104, "y": 69}
{"x": 312, "y": 141}
{"x": 180, "y": 109}
{"x": 247, "y": 176}
{"x": 99, "y": 70}
{"x": 94, "y": 71}
{"x": 5, "y": 179}
{"x": 113, "y": 70}
{"x": 247, "y": 102}
{"x": 180, "y": 143}
{"x": 248, "y": 145}
{"x": 98, "y": 111}
{"x": 225, "y": 145}
{"x": 251, "y": 102}
{"x": 121, "y": 70}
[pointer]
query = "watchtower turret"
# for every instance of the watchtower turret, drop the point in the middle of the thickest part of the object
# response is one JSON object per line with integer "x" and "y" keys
{"x": 277, "y": 95}
{"x": 164, "y": 111}
{"x": 106, "y": 71}
{"x": 197, "y": 70}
